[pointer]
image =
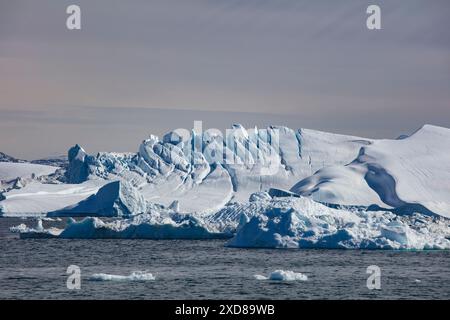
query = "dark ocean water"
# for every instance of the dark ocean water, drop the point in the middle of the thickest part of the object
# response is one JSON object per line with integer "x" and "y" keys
{"x": 36, "y": 269}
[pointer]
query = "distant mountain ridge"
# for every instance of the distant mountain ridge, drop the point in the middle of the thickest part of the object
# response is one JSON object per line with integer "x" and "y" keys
{"x": 56, "y": 161}
{"x": 7, "y": 158}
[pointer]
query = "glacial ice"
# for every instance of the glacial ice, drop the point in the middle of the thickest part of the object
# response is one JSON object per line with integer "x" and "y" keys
{"x": 203, "y": 172}
{"x": 283, "y": 188}
{"x": 134, "y": 276}
{"x": 12, "y": 170}
{"x": 303, "y": 223}
{"x": 37, "y": 198}
{"x": 282, "y": 275}
{"x": 156, "y": 225}
{"x": 408, "y": 175}
{"x": 78, "y": 168}
{"x": 276, "y": 223}
{"x": 115, "y": 199}
{"x": 39, "y": 232}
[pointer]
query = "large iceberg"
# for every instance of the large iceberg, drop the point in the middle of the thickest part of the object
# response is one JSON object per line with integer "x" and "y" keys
{"x": 411, "y": 174}
{"x": 293, "y": 222}
{"x": 141, "y": 227}
{"x": 204, "y": 171}
{"x": 304, "y": 223}
{"x": 273, "y": 187}
{"x": 159, "y": 223}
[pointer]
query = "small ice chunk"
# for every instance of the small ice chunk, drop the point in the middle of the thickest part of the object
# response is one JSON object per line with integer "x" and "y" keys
{"x": 134, "y": 276}
{"x": 282, "y": 275}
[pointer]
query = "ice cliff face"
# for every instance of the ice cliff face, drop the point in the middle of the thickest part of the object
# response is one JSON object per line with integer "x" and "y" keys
{"x": 115, "y": 199}
{"x": 205, "y": 171}
{"x": 78, "y": 165}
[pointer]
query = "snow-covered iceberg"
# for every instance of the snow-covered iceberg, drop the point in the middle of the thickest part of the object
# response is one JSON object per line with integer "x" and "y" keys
{"x": 303, "y": 223}
{"x": 408, "y": 175}
{"x": 268, "y": 223}
{"x": 362, "y": 193}
{"x": 37, "y": 198}
{"x": 39, "y": 232}
{"x": 141, "y": 227}
{"x": 204, "y": 171}
{"x": 158, "y": 224}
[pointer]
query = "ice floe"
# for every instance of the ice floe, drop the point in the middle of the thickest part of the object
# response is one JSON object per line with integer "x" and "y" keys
{"x": 283, "y": 275}
{"x": 134, "y": 276}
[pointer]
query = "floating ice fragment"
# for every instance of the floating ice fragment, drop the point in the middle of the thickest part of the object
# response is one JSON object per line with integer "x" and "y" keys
{"x": 134, "y": 276}
{"x": 282, "y": 275}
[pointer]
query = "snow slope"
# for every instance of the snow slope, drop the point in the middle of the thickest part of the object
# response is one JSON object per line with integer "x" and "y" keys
{"x": 409, "y": 174}
{"x": 117, "y": 198}
{"x": 7, "y": 158}
{"x": 12, "y": 170}
{"x": 39, "y": 198}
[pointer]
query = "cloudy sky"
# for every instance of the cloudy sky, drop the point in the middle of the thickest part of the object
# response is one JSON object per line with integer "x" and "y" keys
{"x": 141, "y": 67}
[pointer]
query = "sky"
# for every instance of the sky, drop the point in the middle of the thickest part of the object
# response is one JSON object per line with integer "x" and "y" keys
{"x": 147, "y": 67}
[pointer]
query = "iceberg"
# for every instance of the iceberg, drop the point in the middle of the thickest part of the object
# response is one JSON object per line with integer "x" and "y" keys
{"x": 36, "y": 198}
{"x": 303, "y": 223}
{"x": 13, "y": 170}
{"x": 205, "y": 171}
{"x": 35, "y": 233}
{"x": 274, "y": 188}
{"x": 405, "y": 175}
{"x": 134, "y": 276}
{"x": 159, "y": 224}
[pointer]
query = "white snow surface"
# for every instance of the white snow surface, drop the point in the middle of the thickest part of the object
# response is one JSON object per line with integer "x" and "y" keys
{"x": 410, "y": 174}
{"x": 160, "y": 223}
{"x": 283, "y": 275}
{"x": 13, "y": 170}
{"x": 40, "y": 198}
